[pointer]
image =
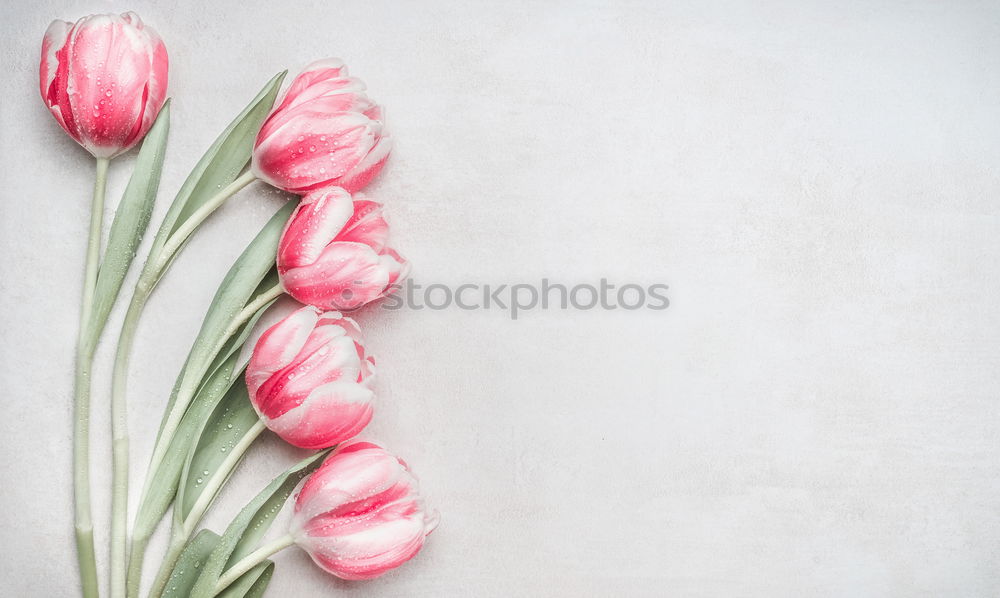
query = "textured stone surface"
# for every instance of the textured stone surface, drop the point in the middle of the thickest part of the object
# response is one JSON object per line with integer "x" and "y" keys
{"x": 815, "y": 415}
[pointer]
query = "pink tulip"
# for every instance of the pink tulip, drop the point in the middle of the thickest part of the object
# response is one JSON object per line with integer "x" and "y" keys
{"x": 104, "y": 79}
{"x": 325, "y": 131}
{"x": 333, "y": 252}
{"x": 361, "y": 513}
{"x": 310, "y": 380}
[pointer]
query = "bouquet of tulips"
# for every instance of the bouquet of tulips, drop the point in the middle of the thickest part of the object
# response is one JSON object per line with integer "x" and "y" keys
{"x": 359, "y": 512}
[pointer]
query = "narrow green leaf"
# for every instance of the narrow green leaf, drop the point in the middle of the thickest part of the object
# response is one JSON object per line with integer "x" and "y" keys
{"x": 261, "y": 520}
{"x": 236, "y": 341}
{"x": 163, "y": 481}
{"x": 231, "y": 428}
{"x": 188, "y": 566}
{"x": 241, "y": 284}
{"x": 222, "y": 163}
{"x": 131, "y": 220}
{"x": 251, "y": 584}
{"x": 165, "y": 474}
{"x": 246, "y": 530}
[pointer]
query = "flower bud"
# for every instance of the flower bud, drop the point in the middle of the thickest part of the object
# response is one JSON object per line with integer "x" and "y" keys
{"x": 325, "y": 131}
{"x": 104, "y": 79}
{"x": 361, "y": 513}
{"x": 334, "y": 254}
{"x": 310, "y": 380}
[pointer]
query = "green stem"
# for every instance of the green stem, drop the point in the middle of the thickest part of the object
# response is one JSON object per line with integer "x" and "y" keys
{"x": 252, "y": 560}
{"x": 126, "y": 572}
{"x": 120, "y": 442}
{"x": 191, "y": 381}
{"x": 137, "y": 553}
{"x": 81, "y": 420}
{"x": 182, "y": 530}
{"x": 182, "y": 232}
{"x": 253, "y": 307}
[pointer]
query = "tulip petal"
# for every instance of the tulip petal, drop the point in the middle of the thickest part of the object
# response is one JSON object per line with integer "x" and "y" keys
{"x": 156, "y": 87}
{"x": 326, "y": 97}
{"x": 369, "y": 553}
{"x": 279, "y": 345}
{"x": 366, "y": 225}
{"x": 315, "y": 223}
{"x": 53, "y": 41}
{"x": 323, "y": 130}
{"x": 330, "y": 361}
{"x": 107, "y": 78}
{"x": 346, "y": 276}
{"x": 361, "y": 514}
{"x": 320, "y": 71}
{"x": 104, "y": 80}
{"x": 331, "y": 413}
{"x": 396, "y": 265}
{"x": 361, "y": 471}
{"x": 57, "y": 92}
{"x": 315, "y": 392}
{"x": 368, "y": 168}
{"x": 314, "y": 150}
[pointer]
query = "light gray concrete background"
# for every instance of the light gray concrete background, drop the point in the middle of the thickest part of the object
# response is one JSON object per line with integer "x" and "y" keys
{"x": 815, "y": 415}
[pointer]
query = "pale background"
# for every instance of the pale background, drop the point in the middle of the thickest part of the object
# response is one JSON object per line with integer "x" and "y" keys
{"x": 815, "y": 415}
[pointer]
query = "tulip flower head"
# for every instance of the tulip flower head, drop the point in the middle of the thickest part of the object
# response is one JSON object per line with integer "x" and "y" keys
{"x": 310, "y": 380}
{"x": 334, "y": 253}
{"x": 104, "y": 79}
{"x": 325, "y": 131}
{"x": 361, "y": 513}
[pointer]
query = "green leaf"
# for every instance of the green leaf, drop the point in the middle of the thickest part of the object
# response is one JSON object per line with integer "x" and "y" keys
{"x": 246, "y": 530}
{"x": 131, "y": 220}
{"x": 221, "y": 164}
{"x": 164, "y": 479}
{"x": 188, "y": 566}
{"x": 251, "y": 584}
{"x": 241, "y": 285}
{"x": 231, "y": 429}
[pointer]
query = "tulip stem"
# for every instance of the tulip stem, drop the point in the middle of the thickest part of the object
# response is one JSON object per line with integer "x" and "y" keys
{"x": 254, "y": 306}
{"x": 119, "y": 447}
{"x": 81, "y": 417}
{"x": 126, "y": 575}
{"x": 186, "y": 390}
{"x": 181, "y": 234}
{"x": 182, "y": 530}
{"x": 214, "y": 484}
{"x": 252, "y": 560}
